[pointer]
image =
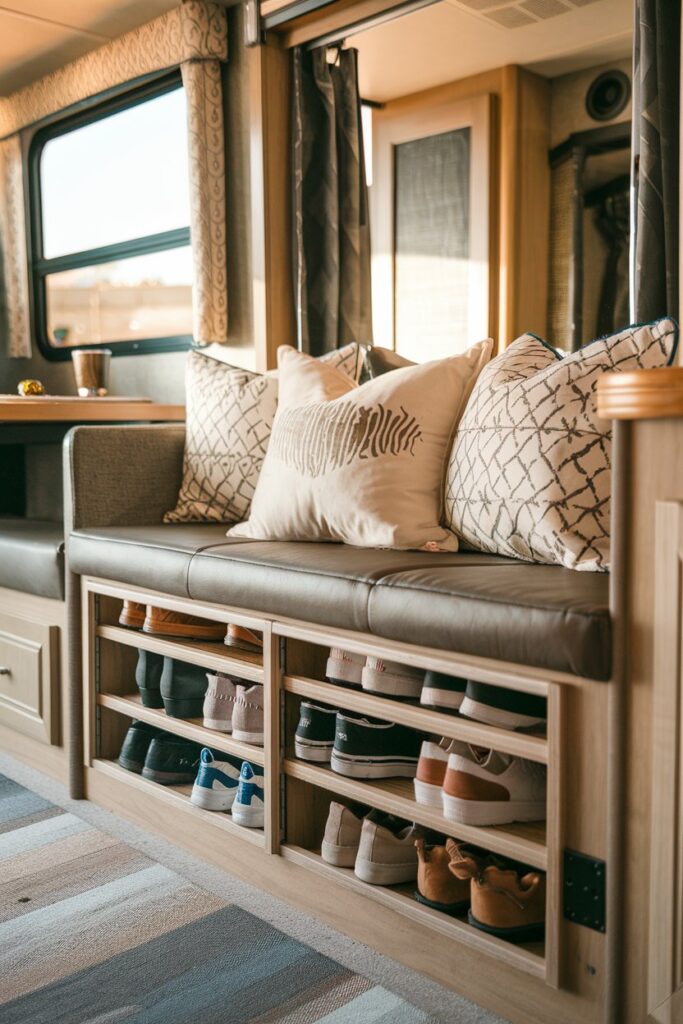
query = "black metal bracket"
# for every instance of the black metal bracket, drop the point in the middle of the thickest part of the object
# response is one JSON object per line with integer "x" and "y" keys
{"x": 583, "y": 890}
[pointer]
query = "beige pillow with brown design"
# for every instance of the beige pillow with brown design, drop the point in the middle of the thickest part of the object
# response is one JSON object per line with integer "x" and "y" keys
{"x": 363, "y": 465}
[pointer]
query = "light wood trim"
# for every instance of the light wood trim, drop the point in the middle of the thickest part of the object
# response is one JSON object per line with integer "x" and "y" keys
{"x": 271, "y": 739}
{"x": 641, "y": 394}
{"x": 450, "y": 927}
{"x": 272, "y": 270}
{"x": 65, "y": 409}
{"x": 555, "y": 841}
{"x": 194, "y": 652}
{"x": 533, "y": 748}
{"x": 666, "y": 895}
{"x": 349, "y": 15}
{"x": 190, "y": 728}
{"x": 523, "y": 842}
{"x": 177, "y": 798}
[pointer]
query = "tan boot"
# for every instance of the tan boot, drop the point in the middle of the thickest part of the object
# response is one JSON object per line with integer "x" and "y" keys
{"x": 437, "y": 886}
{"x": 132, "y": 615}
{"x": 505, "y": 902}
{"x": 163, "y": 622}
{"x": 244, "y": 639}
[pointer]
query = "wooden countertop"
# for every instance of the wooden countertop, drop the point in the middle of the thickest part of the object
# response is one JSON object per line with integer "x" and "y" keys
{"x": 71, "y": 409}
{"x": 641, "y": 394}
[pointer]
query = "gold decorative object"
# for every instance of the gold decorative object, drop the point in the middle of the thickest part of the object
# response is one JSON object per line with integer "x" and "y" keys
{"x": 30, "y": 387}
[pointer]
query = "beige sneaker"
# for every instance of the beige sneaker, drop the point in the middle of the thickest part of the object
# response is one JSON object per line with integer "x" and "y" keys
{"x": 392, "y": 678}
{"x": 344, "y": 667}
{"x": 243, "y": 639}
{"x": 342, "y": 836}
{"x": 493, "y": 789}
{"x": 247, "y": 715}
{"x": 386, "y": 857}
{"x": 431, "y": 769}
{"x": 219, "y": 702}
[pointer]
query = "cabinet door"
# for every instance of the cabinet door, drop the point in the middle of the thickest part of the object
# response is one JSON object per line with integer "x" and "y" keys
{"x": 430, "y": 221}
{"x": 29, "y": 677}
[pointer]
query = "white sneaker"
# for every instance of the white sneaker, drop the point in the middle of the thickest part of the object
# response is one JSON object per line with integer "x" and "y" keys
{"x": 385, "y": 857}
{"x": 392, "y": 678}
{"x": 215, "y": 787}
{"x": 493, "y": 789}
{"x": 431, "y": 769}
{"x": 344, "y": 667}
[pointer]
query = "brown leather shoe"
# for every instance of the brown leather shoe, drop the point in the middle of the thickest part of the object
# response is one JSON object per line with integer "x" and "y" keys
{"x": 132, "y": 615}
{"x": 244, "y": 639}
{"x": 437, "y": 886}
{"x": 163, "y": 622}
{"x": 505, "y": 902}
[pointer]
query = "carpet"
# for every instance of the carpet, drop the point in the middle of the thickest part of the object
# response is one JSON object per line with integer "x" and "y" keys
{"x": 92, "y": 931}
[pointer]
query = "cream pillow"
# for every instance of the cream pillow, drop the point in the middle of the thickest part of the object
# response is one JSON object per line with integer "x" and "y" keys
{"x": 363, "y": 465}
{"x": 230, "y": 414}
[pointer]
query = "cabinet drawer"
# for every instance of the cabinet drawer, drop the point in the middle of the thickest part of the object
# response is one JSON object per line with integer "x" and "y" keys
{"x": 29, "y": 677}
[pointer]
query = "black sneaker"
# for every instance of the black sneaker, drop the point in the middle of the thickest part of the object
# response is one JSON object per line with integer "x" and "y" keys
{"x": 314, "y": 736}
{"x": 148, "y": 678}
{"x": 183, "y": 688}
{"x": 368, "y": 748}
{"x": 507, "y": 709}
{"x": 171, "y": 760}
{"x": 135, "y": 746}
{"x": 442, "y": 691}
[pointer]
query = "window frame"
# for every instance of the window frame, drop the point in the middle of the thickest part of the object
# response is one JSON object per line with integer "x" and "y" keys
{"x": 40, "y": 267}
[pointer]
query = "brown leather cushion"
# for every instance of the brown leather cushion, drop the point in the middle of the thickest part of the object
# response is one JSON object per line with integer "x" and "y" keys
{"x": 329, "y": 584}
{"x": 146, "y": 556}
{"x": 539, "y": 615}
{"x": 32, "y": 557}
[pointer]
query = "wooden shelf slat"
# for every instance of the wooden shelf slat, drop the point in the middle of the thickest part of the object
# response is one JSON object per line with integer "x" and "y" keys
{"x": 534, "y": 748}
{"x": 178, "y": 798}
{"x": 195, "y": 652}
{"x": 522, "y": 841}
{"x": 72, "y": 409}
{"x": 520, "y": 957}
{"x": 190, "y": 728}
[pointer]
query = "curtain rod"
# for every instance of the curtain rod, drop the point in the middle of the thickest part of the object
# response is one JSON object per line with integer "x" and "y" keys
{"x": 337, "y": 35}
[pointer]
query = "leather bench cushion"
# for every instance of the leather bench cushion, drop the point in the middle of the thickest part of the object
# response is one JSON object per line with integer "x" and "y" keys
{"x": 32, "y": 557}
{"x": 157, "y": 557}
{"x": 540, "y": 615}
{"x": 328, "y": 584}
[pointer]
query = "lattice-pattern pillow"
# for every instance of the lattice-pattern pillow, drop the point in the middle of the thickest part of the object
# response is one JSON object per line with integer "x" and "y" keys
{"x": 529, "y": 471}
{"x": 230, "y": 414}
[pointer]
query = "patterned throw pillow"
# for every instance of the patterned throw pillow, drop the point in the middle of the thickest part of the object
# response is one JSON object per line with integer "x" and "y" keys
{"x": 230, "y": 414}
{"x": 363, "y": 465}
{"x": 529, "y": 472}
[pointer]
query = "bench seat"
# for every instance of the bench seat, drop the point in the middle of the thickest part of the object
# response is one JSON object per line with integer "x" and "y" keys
{"x": 543, "y": 616}
{"x": 32, "y": 557}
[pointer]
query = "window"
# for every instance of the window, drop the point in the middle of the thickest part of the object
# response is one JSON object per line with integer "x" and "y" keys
{"x": 111, "y": 256}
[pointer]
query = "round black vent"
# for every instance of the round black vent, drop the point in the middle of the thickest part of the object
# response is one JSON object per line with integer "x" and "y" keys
{"x": 608, "y": 95}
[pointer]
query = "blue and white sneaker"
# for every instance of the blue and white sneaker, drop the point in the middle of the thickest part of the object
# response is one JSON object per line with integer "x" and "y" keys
{"x": 215, "y": 787}
{"x": 248, "y": 806}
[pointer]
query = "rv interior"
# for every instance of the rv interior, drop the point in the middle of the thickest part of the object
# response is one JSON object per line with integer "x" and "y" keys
{"x": 341, "y": 511}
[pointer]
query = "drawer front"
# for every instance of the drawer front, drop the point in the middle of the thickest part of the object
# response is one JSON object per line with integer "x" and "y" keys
{"x": 29, "y": 677}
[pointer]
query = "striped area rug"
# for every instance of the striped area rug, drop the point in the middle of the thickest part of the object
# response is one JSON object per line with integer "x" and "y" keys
{"x": 94, "y": 932}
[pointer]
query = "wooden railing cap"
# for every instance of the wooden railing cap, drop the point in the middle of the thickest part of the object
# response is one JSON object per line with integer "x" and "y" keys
{"x": 641, "y": 394}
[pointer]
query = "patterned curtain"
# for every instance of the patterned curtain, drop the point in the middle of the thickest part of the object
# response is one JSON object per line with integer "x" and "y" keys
{"x": 194, "y": 37}
{"x": 14, "y": 288}
{"x": 656, "y": 83}
{"x": 331, "y": 216}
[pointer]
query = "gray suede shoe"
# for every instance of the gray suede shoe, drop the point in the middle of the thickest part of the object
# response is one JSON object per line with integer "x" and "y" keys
{"x": 247, "y": 718}
{"x": 219, "y": 702}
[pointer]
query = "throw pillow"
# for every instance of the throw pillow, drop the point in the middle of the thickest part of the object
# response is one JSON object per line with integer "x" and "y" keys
{"x": 230, "y": 414}
{"x": 529, "y": 473}
{"x": 365, "y": 467}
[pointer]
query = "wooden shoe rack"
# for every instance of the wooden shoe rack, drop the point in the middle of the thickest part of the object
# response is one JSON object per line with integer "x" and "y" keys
{"x": 561, "y": 979}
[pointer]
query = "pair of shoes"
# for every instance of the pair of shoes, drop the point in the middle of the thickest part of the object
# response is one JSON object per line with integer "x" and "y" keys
{"x": 177, "y": 687}
{"x": 479, "y": 787}
{"x": 228, "y": 784}
{"x": 506, "y": 899}
{"x": 374, "y": 674}
{"x": 159, "y": 756}
{"x": 163, "y": 622}
{"x": 180, "y": 625}
{"x": 502, "y": 707}
{"x": 358, "y": 747}
{"x": 380, "y": 848}
{"x": 234, "y": 707}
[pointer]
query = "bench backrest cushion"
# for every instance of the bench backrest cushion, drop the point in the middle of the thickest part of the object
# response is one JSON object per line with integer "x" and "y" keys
{"x": 529, "y": 472}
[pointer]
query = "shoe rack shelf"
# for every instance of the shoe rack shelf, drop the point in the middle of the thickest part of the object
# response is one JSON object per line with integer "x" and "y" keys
{"x": 564, "y": 972}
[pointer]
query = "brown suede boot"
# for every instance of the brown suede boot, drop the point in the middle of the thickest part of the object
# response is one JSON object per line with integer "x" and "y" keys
{"x": 163, "y": 622}
{"x": 505, "y": 902}
{"x": 244, "y": 639}
{"x": 132, "y": 615}
{"x": 437, "y": 886}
